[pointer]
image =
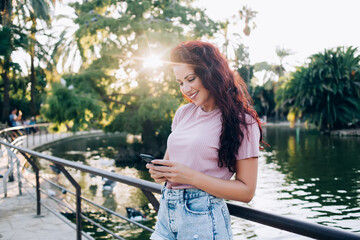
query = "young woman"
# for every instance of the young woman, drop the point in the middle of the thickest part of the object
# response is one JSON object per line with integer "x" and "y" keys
{"x": 214, "y": 136}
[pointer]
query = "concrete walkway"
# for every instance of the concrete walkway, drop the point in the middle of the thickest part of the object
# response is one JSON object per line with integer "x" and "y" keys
{"x": 18, "y": 219}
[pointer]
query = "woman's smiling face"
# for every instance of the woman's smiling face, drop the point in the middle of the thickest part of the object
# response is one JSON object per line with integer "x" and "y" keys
{"x": 192, "y": 87}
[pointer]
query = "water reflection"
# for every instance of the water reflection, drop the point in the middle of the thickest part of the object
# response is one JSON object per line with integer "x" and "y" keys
{"x": 303, "y": 175}
{"x": 320, "y": 174}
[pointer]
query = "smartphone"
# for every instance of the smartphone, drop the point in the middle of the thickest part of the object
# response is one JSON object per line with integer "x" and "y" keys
{"x": 147, "y": 158}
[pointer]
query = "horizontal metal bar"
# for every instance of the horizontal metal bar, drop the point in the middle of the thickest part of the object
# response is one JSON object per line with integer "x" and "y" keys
{"x": 103, "y": 228}
{"x": 291, "y": 225}
{"x": 82, "y": 215}
{"x": 65, "y": 220}
{"x": 139, "y": 183}
{"x": 96, "y": 205}
{"x": 102, "y": 207}
{"x": 303, "y": 228}
{"x": 23, "y": 127}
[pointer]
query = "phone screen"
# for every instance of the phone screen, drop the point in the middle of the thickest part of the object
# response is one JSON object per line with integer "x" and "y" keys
{"x": 147, "y": 158}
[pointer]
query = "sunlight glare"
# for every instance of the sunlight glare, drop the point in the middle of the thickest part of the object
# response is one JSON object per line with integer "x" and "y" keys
{"x": 152, "y": 61}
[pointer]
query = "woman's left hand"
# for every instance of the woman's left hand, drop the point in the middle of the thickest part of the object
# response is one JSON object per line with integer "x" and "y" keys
{"x": 174, "y": 172}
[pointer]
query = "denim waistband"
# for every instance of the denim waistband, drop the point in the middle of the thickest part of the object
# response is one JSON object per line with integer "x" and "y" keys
{"x": 179, "y": 194}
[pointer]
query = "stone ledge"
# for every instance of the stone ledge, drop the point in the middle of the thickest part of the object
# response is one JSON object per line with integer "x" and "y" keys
{"x": 346, "y": 132}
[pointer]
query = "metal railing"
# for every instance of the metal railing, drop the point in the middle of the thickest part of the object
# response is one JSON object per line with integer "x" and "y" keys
{"x": 29, "y": 132}
{"x": 148, "y": 188}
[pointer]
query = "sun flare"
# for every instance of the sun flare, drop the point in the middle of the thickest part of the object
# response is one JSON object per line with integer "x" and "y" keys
{"x": 152, "y": 61}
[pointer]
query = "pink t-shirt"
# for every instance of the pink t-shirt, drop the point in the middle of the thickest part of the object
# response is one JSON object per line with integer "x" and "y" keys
{"x": 195, "y": 141}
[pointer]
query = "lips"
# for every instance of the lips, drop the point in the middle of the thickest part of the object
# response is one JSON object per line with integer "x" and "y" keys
{"x": 194, "y": 95}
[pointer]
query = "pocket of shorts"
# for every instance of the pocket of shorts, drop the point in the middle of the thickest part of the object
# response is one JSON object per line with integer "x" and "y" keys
{"x": 198, "y": 205}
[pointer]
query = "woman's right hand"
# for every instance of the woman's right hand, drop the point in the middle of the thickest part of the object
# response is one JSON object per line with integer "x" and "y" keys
{"x": 156, "y": 175}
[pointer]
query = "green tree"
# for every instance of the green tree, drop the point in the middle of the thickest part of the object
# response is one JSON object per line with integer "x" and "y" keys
{"x": 69, "y": 103}
{"x": 264, "y": 100}
{"x": 327, "y": 91}
{"x": 14, "y": 18}
{"x": 7, "y": 46}
{"x": 242, "y": 63}
{"x": 39, "y": 10}
{"x": 281, "y": 53}
{"x": 113, "y": 39}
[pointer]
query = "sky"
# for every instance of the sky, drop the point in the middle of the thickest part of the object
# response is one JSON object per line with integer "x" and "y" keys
{"x": 305, "y": 27}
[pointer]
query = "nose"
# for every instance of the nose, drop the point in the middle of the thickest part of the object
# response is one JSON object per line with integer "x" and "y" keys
{"x": 186, "y": 87}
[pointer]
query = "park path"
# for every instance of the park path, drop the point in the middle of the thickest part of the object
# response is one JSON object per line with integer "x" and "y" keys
{"x": 18, "y": 219}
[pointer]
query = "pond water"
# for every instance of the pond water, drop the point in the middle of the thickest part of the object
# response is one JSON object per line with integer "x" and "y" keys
{"x": 304, "y": 175}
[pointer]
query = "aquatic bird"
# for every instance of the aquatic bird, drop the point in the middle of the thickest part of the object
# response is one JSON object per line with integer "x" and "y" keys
{"x": 55, "y": 169}
{"x": 51, "y": 193}
{"x": 135, "y": 215}
{"x": 109, "y": 185}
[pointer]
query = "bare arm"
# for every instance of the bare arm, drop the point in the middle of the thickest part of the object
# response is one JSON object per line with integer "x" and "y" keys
{"x": 166, "y": 156}
{"x": 241, "y": 189}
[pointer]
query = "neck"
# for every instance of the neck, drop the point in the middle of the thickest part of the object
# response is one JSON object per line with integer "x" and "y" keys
{"x": 209, "y": 108}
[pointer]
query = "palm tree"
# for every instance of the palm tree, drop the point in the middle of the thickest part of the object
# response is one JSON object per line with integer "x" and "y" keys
{"x": 327, "y": 91}
{"x": 38, "y": 10}
{"x": 281, "y": 53}
{"x": 14, "y": 16}
{"x": 6, "y": 22}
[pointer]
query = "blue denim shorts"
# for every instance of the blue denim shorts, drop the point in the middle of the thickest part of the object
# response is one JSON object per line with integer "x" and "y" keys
{"x": 187, "y": 214}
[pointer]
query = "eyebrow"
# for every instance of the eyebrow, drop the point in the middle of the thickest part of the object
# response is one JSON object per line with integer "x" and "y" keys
{"x": 186, "y": 76}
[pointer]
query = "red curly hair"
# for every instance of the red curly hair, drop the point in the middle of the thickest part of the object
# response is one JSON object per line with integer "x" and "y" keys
{"x": 229, "y": 90}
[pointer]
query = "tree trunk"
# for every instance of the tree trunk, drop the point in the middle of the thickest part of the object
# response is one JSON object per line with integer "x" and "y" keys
{"x": 6, "y": 20}
{"x": 6, "y": 99}
{"x": 148, "y": 136}
{"x": 33, "y": 87}
{"x": 32, "y": 73}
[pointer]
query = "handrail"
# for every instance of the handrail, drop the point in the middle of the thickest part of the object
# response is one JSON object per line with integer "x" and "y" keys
{"x": 303, "y": 228}
{"x": 139, "y": 183}
{"x": 23, "y": 127}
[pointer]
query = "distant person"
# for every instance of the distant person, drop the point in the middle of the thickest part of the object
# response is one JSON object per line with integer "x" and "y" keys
{"x": 32, "y": 121}
{"x": 15, "y": 120}
{"x": 213, "y": 137}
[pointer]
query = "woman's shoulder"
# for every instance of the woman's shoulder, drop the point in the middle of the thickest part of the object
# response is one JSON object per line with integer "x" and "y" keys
{"x": 186, "y": 108}
{"x": 250, "y": 119}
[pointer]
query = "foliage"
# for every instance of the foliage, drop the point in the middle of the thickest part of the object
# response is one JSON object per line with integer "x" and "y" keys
{"x": 327, "y": 91}
{"x": 264, "y": 100}
{"x": 113, "y": 39}
{"x": 242, "y": 63}
{"x": 64, "y": 104}
{"x": 11, "y": 39}
{"x": 16, "y": 18}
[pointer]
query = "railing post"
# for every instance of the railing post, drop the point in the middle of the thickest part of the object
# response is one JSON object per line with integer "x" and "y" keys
{"x": 9, "y": 173}
{"x": 18, "y": 173}
{"x": 78, "y": 199}
{"x": 36, "y": 169}
{"x": 150, "y": 196}
{"x": 39, "y": 135}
